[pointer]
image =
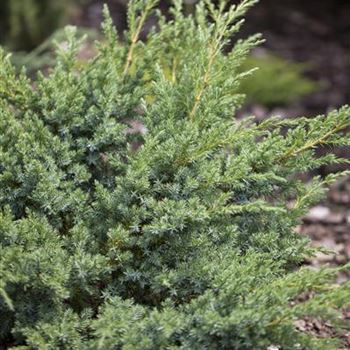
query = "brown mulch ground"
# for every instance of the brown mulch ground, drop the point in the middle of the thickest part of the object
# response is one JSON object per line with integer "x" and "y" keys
{"x": 328, "y": 225}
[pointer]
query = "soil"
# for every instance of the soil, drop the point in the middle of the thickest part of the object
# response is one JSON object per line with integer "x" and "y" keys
{"x": 328, "y": 225}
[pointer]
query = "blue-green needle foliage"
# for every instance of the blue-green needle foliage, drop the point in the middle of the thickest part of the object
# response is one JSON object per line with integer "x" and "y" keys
{"x": 178, "y": 237}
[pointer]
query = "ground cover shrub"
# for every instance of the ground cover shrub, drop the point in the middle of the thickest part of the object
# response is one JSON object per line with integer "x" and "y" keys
{"x": 277, "y": 82}
{"x": 26, "y": 24}
{"x": 178, "y": 234}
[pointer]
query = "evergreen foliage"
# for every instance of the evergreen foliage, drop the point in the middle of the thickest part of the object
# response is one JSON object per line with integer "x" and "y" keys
{"x": 277, "y": 81}
{"x": 178, "y": 237}
{"x": 43, "y": 58}
{"x": 24, "y": 24}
